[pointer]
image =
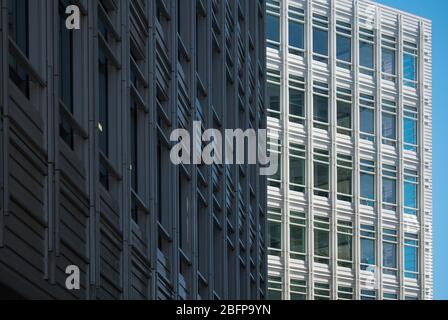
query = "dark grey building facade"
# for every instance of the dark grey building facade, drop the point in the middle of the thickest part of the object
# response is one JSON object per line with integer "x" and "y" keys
{"x": 85, "y": 171}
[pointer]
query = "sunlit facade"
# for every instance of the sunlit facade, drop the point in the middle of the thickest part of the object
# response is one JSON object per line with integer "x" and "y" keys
{"x": 350, "y": 211}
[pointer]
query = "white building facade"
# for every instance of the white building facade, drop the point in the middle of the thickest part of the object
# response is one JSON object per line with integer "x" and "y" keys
{"x": 350, "y": 105}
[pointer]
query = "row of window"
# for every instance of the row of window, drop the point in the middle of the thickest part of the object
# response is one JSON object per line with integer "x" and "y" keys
{"x": 344, "y": 104}
{"x": 299, "y": 291}
{"x": 344, "y": 172}
{"x": 345, "y": 232}
{"x": 344, "y": 44}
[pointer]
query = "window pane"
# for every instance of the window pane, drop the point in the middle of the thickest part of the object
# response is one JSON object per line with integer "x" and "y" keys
{"x": 389, "y": 126}
{"x": 345, "y": 247}
{"x": 367, "y": 251}
{"x": 296, "y": 32}
{"x": 366, "y": 54}
{"x": 389, "y": 255}
{"x": 344, "y": 115}
{"x": 389, "y": 191}
{"x": 296, "y": 102}
{"x": 320, "y": 41}
{"x": 388, "y": 63}
{"x": 410, "y": 195}
{"x": 321, "y": 173}
{"x": 297, "y": 171}
{"x": 297, "y": 239}
{"x": 274, "y": 96}
{"x": 321, "y": 243}
{"x": 411, "y": 259}
{"x": 410, "y": 67}
{"x": 272, "y": 28}
{"x": 410, "y": 131}
{"x": 274, "y": 295}
{"x": 320, "y": 109}
{"x": 345, "y": 181}
{"x": 367, "y": 121}
{"x": 367, "y": 186}
{"x": 103, "y": 103}
{"x": 275, "y": 235}
{"x": 344, "y": 48}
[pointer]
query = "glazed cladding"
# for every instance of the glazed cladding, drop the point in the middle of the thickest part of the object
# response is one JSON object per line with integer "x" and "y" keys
{"x": 86, "y": 177}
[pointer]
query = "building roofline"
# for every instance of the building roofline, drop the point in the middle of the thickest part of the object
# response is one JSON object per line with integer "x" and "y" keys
{"x": 390, "y": 8}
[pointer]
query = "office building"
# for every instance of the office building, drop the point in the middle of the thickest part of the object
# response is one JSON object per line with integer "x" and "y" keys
{"x": 86, "y": 178}
{"x": 350, "y": 211}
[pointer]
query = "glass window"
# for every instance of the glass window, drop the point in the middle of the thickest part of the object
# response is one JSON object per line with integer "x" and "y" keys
{"x": 367, "y": 117}
{"x": 368, "y": 294}
{"x": 66, "y": 76}
{"x": 344, "y": 111}
{"x": 320, "y": 41}
{"x": 275, "y": 288}
{"x": 273, "y": 30}
{"x": 274, "y": 94}
{"x": 320, "y": 38}
{"x": 345, "y": 244}
{"x": 388, "y": 62}
{"x": 390, "y": 251}
{"x": 411, "y": 255}
{"x": 321, "y": 172}
{"x": 321, "y": 109}
{"x": 321, "y": 240}
{"x": 19, "y": 33}
{"x": 275, "y": 231}
{"x": 366, "y": 51}
{"x": 410, "y": 192}
{"x": 366, "y": 55}
{"x": 297, "y": 168}
{"x": 367, "y": 181}
{"x": 345, "y": 293}
{"x": 321, "y": 291}
{"x": 389, "y": 187}
{"x": 298, "y": 289}
{"x": 344, "y": 48}
{"x": 410, "y": 64}
{"x": 389, "y": 123}
{"x": 296, "y": 36}
{"x": 367, "y": 247}
{"x": 344, "y": 176}
{"x": 320, "y": 105}
{"x": 297, "y": 235}
{"x": 410, "y": 128}
{"x": 296, "y": 99}
{"x": 343, "y": 44}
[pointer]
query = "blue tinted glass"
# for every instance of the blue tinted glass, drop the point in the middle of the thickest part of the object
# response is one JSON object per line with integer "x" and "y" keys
{"x": 344, "y": 48}
{"x": 409, "y": 67}
{"x": 366, "y": 54}
{"x": 321, "y": 108}
{"x": 367, "y": 121}
{"x": 388, "y": 63}
{"x": 410, "y": 131}
{"x": 320, "y": 41}
{"x": 389, "y": 191}
{"x": 410, "y": 258}
{"x": 367, "y": 186}
{"x": 272, "y": 28}
{"x": 389, "y": 255}
{"x": 296, "y": 34}
{"x": 389, "y": 126}
{"x": 410, "y": 195}
{"x": 367, "y": 251}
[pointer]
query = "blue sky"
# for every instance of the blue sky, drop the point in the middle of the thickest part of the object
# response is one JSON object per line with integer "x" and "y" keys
{"x": 437, "y": 10}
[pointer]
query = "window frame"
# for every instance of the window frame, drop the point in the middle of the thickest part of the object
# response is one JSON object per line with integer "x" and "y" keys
{"x": 344, "y": 30}
{"x": 322, "y": 224}
{"x": 296, "y": 15}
